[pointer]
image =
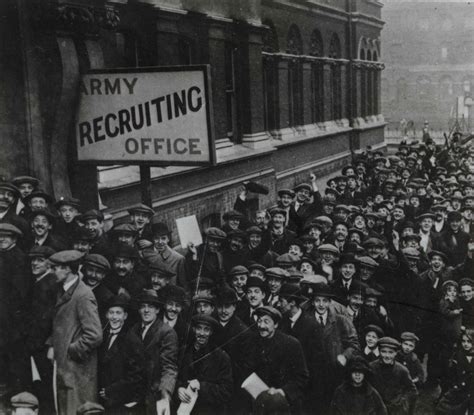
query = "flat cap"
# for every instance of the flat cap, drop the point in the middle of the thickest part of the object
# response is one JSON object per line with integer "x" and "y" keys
{"x": 328, "y": 248}
{"x": 276, "y": 272}
{"x": 215, "y": 233}
{"x": 41, "y": 251}
{"x": 67, "y": 201}
{"x": 373, "y": 242}
{"x": 466, "y": 281}
{"x": 294, "y": 275}
{"x": 367, "y": 261}
{"x": 92, "y": 214}
{"x": 345, "y": 208}
{"x": 323, "y": 219}
{"x": 237, "y": 233}
{"x": 232, "y": 214}
{"x": 8, "y": 228}
{"x": 81, "y": 234}
{"x": 313, "y": 279}
{"x": 407, "y": 335}
{"x": 277, "y": 211}
{"x": 389, "y": 342}
{"x": 204, "y": 319}
{"x": 90, "y": 408}
{"x": 442, "y": 255}
{"x": 252, "y": 230}
{"x": 288, "y": 192}
{"x": 17, "y": 181}
{"x": 24, "y": 400}
{"x": 10, "y": 187}
{"x": 256, "y": 188}
{"x": 66, "y": 257}
{"x": 156, "y": 267}
{"x": 256, "y": 265}
{"x": 125, "y": 228}
{"x": 426, "y": 215}
{"x": 204, "y": 298}
{"x": 358, "y": 364}
{"x": 303, "y": 186}
{"x": 238, "y": 270}
{"x": 270, "y": 311}
{"x": 376, "y": 329}
{"x": 141, "y": 208}
{"x": 51, "y": 216}
{"x": 286, "y": 260}
{"x": 97, "y": 261}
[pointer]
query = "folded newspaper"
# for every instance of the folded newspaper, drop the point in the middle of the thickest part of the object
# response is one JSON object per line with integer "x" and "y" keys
{"x": 254, "y": 385}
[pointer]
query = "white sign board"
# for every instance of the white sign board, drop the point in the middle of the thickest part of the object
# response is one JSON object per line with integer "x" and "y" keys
{"x": 188, "y": 231}
{"x": 154, "y": 116}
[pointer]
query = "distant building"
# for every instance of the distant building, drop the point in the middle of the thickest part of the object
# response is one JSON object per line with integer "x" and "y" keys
{"x": 295, "y": 87}
{"x": 429, "y": 57}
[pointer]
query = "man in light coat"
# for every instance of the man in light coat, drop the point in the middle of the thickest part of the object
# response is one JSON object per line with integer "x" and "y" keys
{"x": 77, "y": 333}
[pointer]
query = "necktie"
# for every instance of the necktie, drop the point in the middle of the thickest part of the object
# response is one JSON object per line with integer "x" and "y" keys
{"x": 112, "y": 336}
{"x": 321, "y": 320}
{"x": 144, "y": 327}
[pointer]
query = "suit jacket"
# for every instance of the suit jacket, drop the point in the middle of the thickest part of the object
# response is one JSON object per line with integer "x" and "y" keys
{"x": 169, "y": 260}
{"x": 76, "y": 336}
{"x": 52, "y": 240}
{"x": 160, "y": 351}
{"x": 120, "y": 369}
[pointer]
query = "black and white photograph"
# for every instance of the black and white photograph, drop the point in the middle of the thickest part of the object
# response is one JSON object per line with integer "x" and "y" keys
{"x": 236, "y": 207}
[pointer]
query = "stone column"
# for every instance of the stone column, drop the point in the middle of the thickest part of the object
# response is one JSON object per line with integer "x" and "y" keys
{"x": 308, "y": 104}
{"x": 328, "y": 104}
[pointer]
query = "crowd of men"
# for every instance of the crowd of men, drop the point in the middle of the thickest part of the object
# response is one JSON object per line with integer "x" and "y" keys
{"x": 347, "y": 301}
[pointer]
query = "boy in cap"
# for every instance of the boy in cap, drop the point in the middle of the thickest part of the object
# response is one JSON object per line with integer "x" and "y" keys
{"x": 40, "y": 321}
{"x": 81, "y": 241}
{"x": 205, "y": 370}
{"x": 392, "y": 378}
{"x": 408, "y": 358}
{"x": 68, "y": 209}
{"x": 356, "y": 395}
{"x": 372, "y": 334}
{"x": 274, "y": 278}
{"x": 280, "y": 361}
{"x": 76, "y": 334}
{"x": 140, "y": 217}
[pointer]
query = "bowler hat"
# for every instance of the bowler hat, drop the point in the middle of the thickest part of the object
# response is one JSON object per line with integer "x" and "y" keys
{"x": 24, "y": 400}
{"x": 454, "y": 216}
{"x": 358, "y": 364}
{"x": 322, "y": 290}
{"x": 17, "y": 181}
{"x": 268, "y": 311}
{"x": 173, "y": 293}
{"x": 81, "y": 234}
{"x": 232, "y": 214}
{"x": 226, "y": 295}
{"x": 291, "y": 291}
{"x": 43, "y": 212}
{"x": 256, "y": 282}
{"x": 160, "y": 229}
{"x": 119, "y": 301}
{"x": 347, "y": 258}
{"x": 125, "y": 228}
{"x": 237, "y": 233}
{"x": 39, "y": 193}
{"x": 70, "y": 201}
{"x": 126, "y": 251}
{"x": 92, "y": 214}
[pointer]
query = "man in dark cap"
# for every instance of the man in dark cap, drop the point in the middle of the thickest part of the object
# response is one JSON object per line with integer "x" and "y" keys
{"x": 207, "y": 258}
{"x": 124, "y": 277}
{"x": 339, "y": 343}
{"x": 277, "y": 236}
{"x": 95, "y": 268}
{"x": 120, "y": 364}
{"x": 81, "y": 241}
{"x": 454, "y": 241}
{"x": 26, "y": 185}
{"x": 9, "y": 195}
{"x": 205, "y": 371}
{"x": 307, "y": 203}
{"x": 140, "y": 218}
{"x": 93, "y": 221}
{"x": 174, "y": 311}
{"x": 164, "y": 256}
{"x": 279, "y": 360}
{"x": 76, "y": 334}
{"x": 125, "y": 233}
{"x": 158, "y": 343}
{"x": 235, "y": 251}
{"x": 40, "y": 322}
{"x": 42, "y": 222}
{"x": 69, "y": 210}
{"x": 37, "y": 200}
{"x": 255, "y": 293}
{"x": 14, "y": 302}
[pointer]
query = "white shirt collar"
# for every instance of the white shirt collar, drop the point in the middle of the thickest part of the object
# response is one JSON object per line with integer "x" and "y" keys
{"x": 368, "y": 350}
{"x": 69, "y": 284}
{"x": 324, "y": 316}
{"x": 40, "y": 241}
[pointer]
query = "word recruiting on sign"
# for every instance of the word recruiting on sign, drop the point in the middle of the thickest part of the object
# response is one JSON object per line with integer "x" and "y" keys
{"x": 154, "y": 116}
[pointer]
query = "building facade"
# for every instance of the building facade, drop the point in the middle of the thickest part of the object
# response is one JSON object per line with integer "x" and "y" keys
{"x": 429, "y": 58}
{"x": 295, "y": 88}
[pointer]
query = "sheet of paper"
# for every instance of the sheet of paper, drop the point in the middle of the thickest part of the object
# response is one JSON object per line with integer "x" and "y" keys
{"x": 186, "y": 408}
{"x": 254, "y": 385}
{"x": 188, "y": 231}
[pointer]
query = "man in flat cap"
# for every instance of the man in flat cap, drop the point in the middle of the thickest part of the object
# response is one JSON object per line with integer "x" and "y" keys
{"x": 205, "y": 370}
{"x": 163, "y": 255}
{"x": 76, "y": 334}
{"x": 15, "y": 286}
{"x": 42, "y": 222}
{"x": 279, "y": 360}
{"x": 9, "y": 195}
{"x": 140, "y": 218}
{"x": 125, "y": 233}
{"x": 392, "y": 378}
{"x": 93, "y": 221}
{"x": 307, "y": 203}
{"x": 175, "y": 310}
{"x": 69, "y": 210}
{"x": 40, "y": 322}
{"x": 158, "y": 343}
{"x": 24, "y": 403}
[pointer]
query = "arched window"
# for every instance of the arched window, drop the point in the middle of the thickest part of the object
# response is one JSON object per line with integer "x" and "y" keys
{"x": 294, "y": 42}
{"x": 270, "y": 78}
{"x": 362, "y": 55}
{"x": 369, "y": 55}
{"x": 445, "y": 88}
{"x": 317, "y": 77}
{"x": 402, "y": 89}
{"x": 294, "y": 46}
{"x": 375, "y": 57}
{"x": 423, "y": 88}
